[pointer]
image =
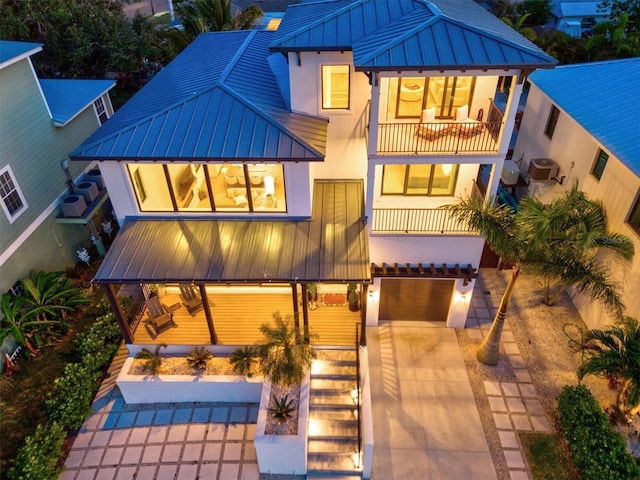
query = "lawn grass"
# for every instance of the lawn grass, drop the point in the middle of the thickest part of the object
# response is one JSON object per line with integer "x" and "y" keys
{"x": 545, "y": 456}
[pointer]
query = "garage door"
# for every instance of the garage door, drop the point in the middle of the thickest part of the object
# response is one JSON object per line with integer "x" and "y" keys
{"x": 415, "y": 299}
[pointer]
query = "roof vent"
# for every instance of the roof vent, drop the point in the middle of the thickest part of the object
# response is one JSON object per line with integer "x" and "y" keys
{"x": 542, "y": 169}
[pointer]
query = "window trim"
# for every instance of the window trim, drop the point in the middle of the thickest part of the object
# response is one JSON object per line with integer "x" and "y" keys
{"x": 16, "y": 188}
{"x": 552, "y": 122}
{"x": 455, "y": 173}
{"x": 635, "y": 210}
{"x": 322, "y": 90}
{"x": 105, "y": 110}
{"x": 599, "y": 164}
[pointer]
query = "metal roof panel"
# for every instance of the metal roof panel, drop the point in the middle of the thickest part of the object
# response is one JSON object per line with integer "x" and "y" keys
{"x": 67, "y": 98}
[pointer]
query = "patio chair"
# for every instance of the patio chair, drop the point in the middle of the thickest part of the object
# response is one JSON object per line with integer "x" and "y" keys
{"x": 465, "y": 126}
{"x": 159, "y": 317}
{"x": 429, "y": 127}
{"x": 190, "y": 298}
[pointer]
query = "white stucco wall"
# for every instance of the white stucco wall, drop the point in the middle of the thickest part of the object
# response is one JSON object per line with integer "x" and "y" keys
{"x": 575, "y": 150}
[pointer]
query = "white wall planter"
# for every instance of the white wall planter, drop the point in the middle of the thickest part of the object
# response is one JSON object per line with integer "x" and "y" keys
{"x": 186, "y": 388}
{"x": 283, "y": 454}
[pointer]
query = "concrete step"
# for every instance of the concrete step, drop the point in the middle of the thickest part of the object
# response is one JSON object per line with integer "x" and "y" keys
{"x": 331, "y": 398}
{"x": 324, "y": 369}
{"x": 341, "y": 464}
{"x": 332, "y": 412}
{"x": 348, "y": 355}
{"x": 339, "y": 384}
{"x": 333, "y": 475}
{"x": 338, "y": 445}
{"x": 333, "y": 429}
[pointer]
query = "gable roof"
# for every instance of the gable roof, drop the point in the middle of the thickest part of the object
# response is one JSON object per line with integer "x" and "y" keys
{"x": 202, "y": 107}
{"x": 417, "y": 34}
{"x": 603, "y": 98}
{"x": 67, "y": 98}
{"x": 11, "y": 52}
{"x": 580, "y": 8}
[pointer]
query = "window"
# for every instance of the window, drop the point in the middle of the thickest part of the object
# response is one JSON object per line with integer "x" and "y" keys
{"x": 634, "y": 216}
{"x": 600, "y": 163}
{"x": 408, "y": 96}
{"x": 101, "y": 110}
{"x": 551, "y": 122}
{"x": 190, "y": 187}
{"x": 335, "y": 87}
{"x": 13, "y": 202}
{"x": 425, "y": 180}
{"x": 273, "y": 24}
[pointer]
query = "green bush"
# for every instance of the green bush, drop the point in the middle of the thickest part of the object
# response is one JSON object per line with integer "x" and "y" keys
{"x": 38, "y": 458}
{"x": 597, "y": 450}
{"x": 70, "y": 401}
{"x": 99, "y": 344}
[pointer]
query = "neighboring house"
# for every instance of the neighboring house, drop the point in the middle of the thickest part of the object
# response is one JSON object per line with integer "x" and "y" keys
{"x": 577, "y": 17}
{"x": 40, "y": 122}
{"x": 265, "y": 163}
{"x": 585, "y": 130}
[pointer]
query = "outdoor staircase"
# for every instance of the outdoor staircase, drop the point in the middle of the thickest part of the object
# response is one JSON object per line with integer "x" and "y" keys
{"x": 333, "y": 416}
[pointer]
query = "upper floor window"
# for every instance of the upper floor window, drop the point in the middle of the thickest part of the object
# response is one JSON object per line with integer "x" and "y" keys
{"x": 552, "y": 121}
{"x": 13, "y": 202}
{"x": 599, "y": 164}
{"x": 273, "y": 24}
{"x": 101, "y": 110}
{"x": 634, "y": 216}
{"x": 335, "y": 87}
{"x": 180, "y": 187}
{"x": 429, "y": 180}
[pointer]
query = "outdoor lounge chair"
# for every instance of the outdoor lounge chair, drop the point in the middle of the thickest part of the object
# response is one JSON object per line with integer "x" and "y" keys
{"x": 190, "y": 298}
{"x": 429, "y": 127}
{"x": 465, "y": 126}
{"x": 159, "y": 317}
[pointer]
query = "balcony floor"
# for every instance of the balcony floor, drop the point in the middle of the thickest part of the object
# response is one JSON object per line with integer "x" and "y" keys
{"x": 237, "y": 318}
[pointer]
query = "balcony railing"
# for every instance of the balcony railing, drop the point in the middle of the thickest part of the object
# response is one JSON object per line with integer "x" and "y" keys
{"x": 449, "y": 138}
{"x": 417, "y": 221}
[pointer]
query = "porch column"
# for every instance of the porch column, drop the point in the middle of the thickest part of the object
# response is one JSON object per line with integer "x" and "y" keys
{"x": 296, "y": 310}
{"x": 207, "y": 314}
{"x": 305, "y": 313}
{"x": 118, "y": 313}
{"x": 363, "y": 314}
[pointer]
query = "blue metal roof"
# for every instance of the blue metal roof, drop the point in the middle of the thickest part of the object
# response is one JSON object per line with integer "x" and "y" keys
{"x": 603, "y": 98}
{"x": 405, "y": 34}
{"x": 10, "y": 50}
{"x": 67, "y": 98}
{"x": 205, "y": 106}
{"x": 579, "y": 9}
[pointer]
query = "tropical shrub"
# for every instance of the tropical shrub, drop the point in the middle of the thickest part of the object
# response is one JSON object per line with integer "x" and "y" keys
{"x": 153, "y": 360}
{"x": 197, "y": 358}
{"x": 99, "y": 344}
{"x": 281, "y": 408}
{"x": 70, "y": 401}
{"x": 242, "y": 360}
{"x": 596, "y": 449}
{"x": 38, "y": 458}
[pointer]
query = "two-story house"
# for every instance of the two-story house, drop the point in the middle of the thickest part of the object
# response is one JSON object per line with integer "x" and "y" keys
{"x": 263, "y": 168}
{"x": 573, "y": 130}
{"x": 40, "y": 122}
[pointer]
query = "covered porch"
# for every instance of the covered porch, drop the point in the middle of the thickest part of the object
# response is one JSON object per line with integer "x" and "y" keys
{"x": 243, "y": 271}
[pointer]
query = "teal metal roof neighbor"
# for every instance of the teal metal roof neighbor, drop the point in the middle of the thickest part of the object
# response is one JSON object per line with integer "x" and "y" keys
{"x": 67, "y": 98}
{"x": 408, "y": 34}
{"x": 603, "y": 98}
{"x": 205, "y": 106}
{"x": 331, "y": 246}
{"x": 11, "y": 51}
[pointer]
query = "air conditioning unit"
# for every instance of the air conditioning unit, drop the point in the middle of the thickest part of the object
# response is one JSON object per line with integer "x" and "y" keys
{"x": 542, "y": 169}
{"x": 510, "y": 173}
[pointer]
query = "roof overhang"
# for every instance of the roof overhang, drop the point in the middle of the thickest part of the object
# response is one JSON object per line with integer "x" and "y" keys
{"x": 330, "y": 247}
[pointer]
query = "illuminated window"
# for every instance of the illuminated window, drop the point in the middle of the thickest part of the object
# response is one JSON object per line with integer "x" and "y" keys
{"x": 600, "y": 163}
{"x": 13, "y": 202}
{"x": 150, "y": 186}
{"x": 274, "y": 23}
{"x": 552, "y": 121}
{"x": 189, "y": 187}
{"x": 426, "y": 180}
{"x": 634, "y": 216}
{"x": 335, "y": 87}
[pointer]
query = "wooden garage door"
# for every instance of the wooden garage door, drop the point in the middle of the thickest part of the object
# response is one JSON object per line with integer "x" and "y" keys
{"x": 415, "y": 299}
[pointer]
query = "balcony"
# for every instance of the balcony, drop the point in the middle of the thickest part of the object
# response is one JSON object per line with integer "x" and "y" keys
{"x": 417, "y": 221}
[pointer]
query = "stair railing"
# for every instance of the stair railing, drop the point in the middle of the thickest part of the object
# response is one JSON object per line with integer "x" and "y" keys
{"x": 358, "y": 395}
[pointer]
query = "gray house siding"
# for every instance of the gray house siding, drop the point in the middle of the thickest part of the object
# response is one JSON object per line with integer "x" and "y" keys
{"x": 34, "y": 147}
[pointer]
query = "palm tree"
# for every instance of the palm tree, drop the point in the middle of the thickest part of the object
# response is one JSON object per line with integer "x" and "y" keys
{"x": 285, "y": 357}
{"x": 519, "y": 27}
{"x": 560, "y": 242}
{"x": 614, "y": 352}
{"x": 200, "y": 16}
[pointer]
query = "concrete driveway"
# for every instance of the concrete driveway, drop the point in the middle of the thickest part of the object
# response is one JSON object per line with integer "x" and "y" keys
{"x": 426, "y": 423}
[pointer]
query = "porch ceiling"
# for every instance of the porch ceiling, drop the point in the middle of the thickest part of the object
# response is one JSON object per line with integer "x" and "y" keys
{"x": 331, "y": 246}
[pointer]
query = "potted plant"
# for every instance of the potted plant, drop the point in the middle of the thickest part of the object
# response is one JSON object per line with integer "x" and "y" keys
{"x": 353, "y": 297}
{"x": 312, "y": 296}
